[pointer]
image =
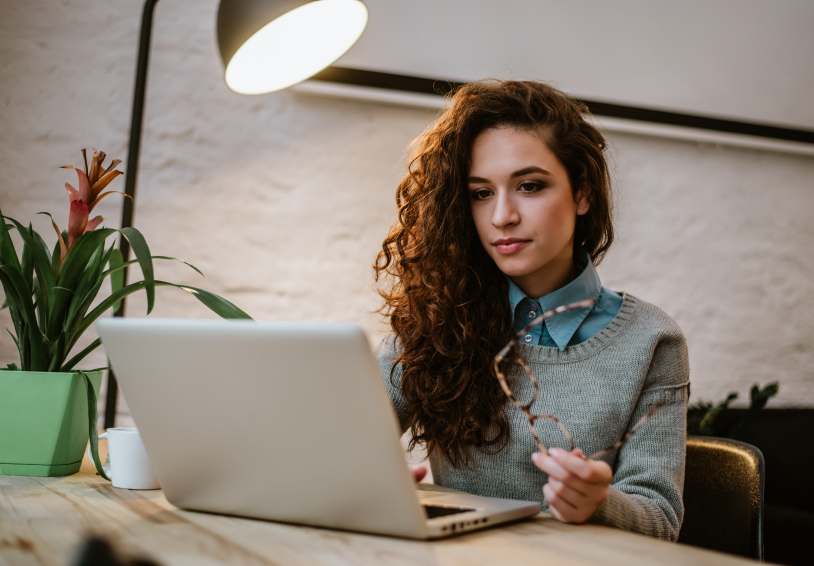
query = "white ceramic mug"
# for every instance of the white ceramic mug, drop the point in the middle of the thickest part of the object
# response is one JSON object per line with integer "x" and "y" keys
{"x": 129, "y": 467}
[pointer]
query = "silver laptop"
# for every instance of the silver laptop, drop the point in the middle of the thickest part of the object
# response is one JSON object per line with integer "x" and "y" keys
{"x": 282, "y": 421}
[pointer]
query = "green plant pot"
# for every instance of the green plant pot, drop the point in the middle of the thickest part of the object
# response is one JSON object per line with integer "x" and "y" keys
{"x": 43, "y": 422}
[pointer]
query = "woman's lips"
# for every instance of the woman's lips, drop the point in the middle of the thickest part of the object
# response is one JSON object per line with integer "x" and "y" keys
{"x": 509, "y": 245}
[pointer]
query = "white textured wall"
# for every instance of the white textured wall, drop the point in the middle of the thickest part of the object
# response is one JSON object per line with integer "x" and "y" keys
{"x": 283, "y": 199}
{"x": 687, "y": 56}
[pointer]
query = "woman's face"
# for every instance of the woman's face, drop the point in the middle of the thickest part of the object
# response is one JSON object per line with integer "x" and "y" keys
{"x": 524, "y": 208}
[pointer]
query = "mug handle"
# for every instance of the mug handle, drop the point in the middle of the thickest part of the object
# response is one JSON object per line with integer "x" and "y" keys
{"x": 106, "y": 465}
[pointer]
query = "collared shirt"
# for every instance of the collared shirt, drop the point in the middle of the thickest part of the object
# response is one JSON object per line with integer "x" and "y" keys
{"x": 571, "y": 327}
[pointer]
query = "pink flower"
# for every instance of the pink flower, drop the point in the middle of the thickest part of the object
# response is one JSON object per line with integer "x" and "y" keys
{"x": 83, "y": 200}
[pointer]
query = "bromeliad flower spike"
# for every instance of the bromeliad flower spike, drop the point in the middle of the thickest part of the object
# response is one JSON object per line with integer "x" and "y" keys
{"x": 91, "y": 183}
{"x": 50, "y": 292}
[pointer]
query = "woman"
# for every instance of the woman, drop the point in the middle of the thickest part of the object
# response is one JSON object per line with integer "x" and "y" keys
{"x": 503, "y": 214}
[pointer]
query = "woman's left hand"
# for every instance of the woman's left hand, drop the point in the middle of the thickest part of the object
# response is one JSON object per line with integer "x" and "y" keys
{"x": 576, "y": 487}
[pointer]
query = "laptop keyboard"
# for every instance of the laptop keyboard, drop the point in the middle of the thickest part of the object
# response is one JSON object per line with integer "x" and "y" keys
{"x": 433, "y": 511}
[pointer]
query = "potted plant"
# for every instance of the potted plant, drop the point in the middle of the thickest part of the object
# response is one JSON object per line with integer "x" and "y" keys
{"x": 707, "y": 419}
{"x": 47, "y": 408}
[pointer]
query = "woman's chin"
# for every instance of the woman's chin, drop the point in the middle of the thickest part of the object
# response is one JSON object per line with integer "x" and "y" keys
{"x": 514, "y": 269}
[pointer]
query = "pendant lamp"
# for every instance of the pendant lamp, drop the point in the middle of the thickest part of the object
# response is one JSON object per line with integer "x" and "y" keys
{"x": 268, "y": 45}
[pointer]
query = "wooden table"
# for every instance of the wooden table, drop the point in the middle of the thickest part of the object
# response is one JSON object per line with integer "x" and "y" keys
{"x": 43, "y": 521}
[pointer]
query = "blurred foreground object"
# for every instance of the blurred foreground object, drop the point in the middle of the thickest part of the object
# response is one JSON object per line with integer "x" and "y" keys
{"x": 98, "y": 552}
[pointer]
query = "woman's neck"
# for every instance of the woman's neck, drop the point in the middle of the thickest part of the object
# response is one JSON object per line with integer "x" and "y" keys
{"x": 554, "y": 275}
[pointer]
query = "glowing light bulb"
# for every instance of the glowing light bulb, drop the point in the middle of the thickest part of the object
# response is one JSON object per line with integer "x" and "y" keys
{"x": 295, "y": 46}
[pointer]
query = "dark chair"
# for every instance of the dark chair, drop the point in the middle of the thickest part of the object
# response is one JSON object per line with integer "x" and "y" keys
{"x": 723, "y": 496}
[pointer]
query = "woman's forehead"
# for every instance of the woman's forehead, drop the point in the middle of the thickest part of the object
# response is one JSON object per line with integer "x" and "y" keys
{"x": 507, "y": 150}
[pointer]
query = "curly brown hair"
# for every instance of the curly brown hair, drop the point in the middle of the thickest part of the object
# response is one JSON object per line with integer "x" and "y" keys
{"x": 445, "y": 298}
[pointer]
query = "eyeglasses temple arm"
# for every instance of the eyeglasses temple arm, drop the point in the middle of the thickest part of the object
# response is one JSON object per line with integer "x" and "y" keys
{"x": 626, "y": 437}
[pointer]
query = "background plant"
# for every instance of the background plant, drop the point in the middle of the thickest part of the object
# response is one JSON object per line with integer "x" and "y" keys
{"x": 50, "y": 291}
{"x": 709, "y": 419}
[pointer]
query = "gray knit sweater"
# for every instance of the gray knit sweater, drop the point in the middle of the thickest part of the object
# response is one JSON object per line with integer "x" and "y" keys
{"x": 598, "y": 389}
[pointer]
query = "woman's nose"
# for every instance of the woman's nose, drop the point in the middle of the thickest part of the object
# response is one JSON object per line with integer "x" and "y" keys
{"x": 505, "y": 212}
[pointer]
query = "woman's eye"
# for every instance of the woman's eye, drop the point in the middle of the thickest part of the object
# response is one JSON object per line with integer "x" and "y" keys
{"x": 479, "y": 194}
{"x": 530, "y": 187}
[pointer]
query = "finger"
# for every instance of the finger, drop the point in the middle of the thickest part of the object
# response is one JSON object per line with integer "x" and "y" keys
{"x": 556, "y": 513}
{"x": 568, "y": 494}
{"x": 562, "y": 511}
{"x": 419, "y": 473}
{"x": 555, "y": 471}
{"x": 568, "y": 514}
{"x": 591, "y": 471}
{"x": 554, "y": 500}
{"x": 550, "y": 466}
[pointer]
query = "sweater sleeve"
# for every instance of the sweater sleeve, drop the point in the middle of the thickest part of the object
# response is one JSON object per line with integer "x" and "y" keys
{"x": 645, "y": 495}
{"x": 391, "y": 375}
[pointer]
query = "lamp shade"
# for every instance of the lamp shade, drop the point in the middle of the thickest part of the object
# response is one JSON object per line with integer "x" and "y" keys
{"x": 268, "y": 45}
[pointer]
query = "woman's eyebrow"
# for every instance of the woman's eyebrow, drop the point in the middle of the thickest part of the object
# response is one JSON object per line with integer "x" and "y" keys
{"x": 518, "y": 173}
{"x": 527, "y": 170}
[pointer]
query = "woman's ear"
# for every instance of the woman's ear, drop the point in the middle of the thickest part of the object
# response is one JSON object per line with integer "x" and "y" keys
{"x": 583, "y": 200}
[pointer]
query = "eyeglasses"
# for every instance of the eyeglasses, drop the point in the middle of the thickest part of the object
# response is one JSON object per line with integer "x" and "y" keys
{"x": 526, "y": 407}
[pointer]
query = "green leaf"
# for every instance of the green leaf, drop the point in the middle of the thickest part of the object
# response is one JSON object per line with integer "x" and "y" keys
{"x": 93, "y": 437}
{"x": 216, "y": 303}
{"x": 17, "y": 280}
{"x": 55, "y": 261}
{"x": 76, "y": 261}
{"x": 19, "y": 329}
{"x": 87, "y": 288}
{"x": 79, "y": 307}
{"x": 8, "y": 255}
{"x": 13, "y": 281}
{"x": 759, "y": 397}
{"x": 56, "y": 255}
{"x": 707, "y": 424}
{"x": 142, "y": 251}
{"x": 121, "y": 266}
{"x": 116, "y": 272}
{"x": 81, "y": 355}
{"x": 40, "y": 305}
{"x": 88, "y": 280}
{"x": 13, "y": 337}
{"x": 78, "y": 257}
{"x": 102, "y": 307}
{"x": 41, "y": 263}
{"x": 56, "y": 350}
{"x": 42, "y": 245}
{"x": 12, "y": 367}
{"x": 17, "y": 320}
{"x": 60, "y": 288}
{"x": 27, "y": 267}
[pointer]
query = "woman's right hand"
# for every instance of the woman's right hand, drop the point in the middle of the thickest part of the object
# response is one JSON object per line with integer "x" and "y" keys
{"x": 419, "y": 472}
